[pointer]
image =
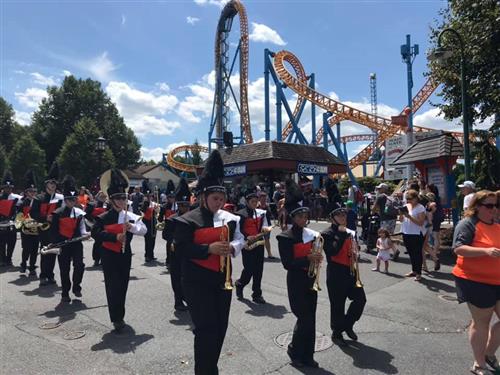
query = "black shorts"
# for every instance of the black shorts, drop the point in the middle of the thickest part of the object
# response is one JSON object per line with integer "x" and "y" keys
{"x": 478, "y": 294}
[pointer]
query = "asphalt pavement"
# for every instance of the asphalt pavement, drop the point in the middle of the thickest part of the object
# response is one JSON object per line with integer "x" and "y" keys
{"x": 407, "y": 327}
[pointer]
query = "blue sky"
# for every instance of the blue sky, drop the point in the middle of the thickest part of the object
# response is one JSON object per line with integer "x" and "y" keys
{"x": 155, "y": 59}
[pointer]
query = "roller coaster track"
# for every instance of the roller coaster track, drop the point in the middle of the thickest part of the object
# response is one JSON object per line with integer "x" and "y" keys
{"x": 183, "y": 166}
{"x": 231, "y": 9}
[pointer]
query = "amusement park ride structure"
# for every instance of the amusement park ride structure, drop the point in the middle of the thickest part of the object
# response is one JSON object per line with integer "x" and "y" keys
{"x": 303, "y": 85}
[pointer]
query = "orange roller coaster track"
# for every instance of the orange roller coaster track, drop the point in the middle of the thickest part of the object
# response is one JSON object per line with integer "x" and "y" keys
{"x": 183, "y": 166}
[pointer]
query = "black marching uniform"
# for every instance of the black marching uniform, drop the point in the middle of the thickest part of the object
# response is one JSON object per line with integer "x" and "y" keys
{"x": 29, "y": 239}
{"x": 116, "y": 258}
{"x": 167, "y": 211}
{"x": 341, "y": 281}
{"x": 251, "y": 224}
{"x": 202, "y": 280}
{"x": 92, "y": 211}
{"x": 149, "y": 218}
{"x": 68, "y": 223}
{"x": 8, "y": 211}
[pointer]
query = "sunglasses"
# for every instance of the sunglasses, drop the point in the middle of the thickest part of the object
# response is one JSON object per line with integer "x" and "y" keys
{"x": 489, "y": 206}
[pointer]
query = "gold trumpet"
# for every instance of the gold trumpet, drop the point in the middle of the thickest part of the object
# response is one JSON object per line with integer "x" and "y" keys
{"x": 355, "y": 264}
{"x": 225, "y": 262}
{"x": 315, "y": 267}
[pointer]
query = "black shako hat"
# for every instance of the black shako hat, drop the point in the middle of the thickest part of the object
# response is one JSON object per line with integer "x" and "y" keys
{"x": 69, "y": 187}
{"x": 338, "y": 211}
{"x": 170, "y": 189}
{"x": 53, "y": 175}
{"x": 145, "y": 186}
{"x": 29, "y": 180}
{"x": 213, "y": 173}
{"x": 118, "y": 184}
{"x": 182, "y": 194}
{"x": 294, "y": 198}
{"x": 251, "y": 193}
{"x": 7, "y": 180}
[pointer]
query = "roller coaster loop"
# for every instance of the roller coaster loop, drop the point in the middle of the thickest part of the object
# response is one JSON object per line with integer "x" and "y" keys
{"x": 183, "y": 166}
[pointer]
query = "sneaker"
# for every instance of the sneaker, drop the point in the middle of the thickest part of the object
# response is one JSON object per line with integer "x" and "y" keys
{"x": 351, "y": 334}
{"x": 375, "y": 269}
{"x": 259, "y": 299}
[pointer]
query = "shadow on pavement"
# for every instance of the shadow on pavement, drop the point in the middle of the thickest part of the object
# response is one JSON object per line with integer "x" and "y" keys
{"x": 309, "y": 370}
{"x": 437, "y": 286}
{"x": 123, "y": 342}
{"x": 270, "y": 310}
{"x": 182, "y": 318}
{"x": 23, "y": 280}
{"x": 367, "y": 357}
{"x": 67, "y": 311}
{"x": 47, "y": 291}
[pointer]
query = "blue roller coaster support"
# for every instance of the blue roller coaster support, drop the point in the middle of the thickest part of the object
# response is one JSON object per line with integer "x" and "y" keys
{"x": 379, "y": 166}
{"x": 364, "y": 169}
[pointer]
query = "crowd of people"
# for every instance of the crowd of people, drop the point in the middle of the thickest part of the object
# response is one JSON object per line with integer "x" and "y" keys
{"x": 206, "y": 229}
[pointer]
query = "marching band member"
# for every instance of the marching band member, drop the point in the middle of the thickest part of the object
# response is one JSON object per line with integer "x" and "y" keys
{"x": 295, "y": 248}
{"x": 167, "y": 210}
{"x": 43, "y": 207}
{"x": 150, "y": 210}
{"x": 182, "y": 197}
{"x": 29, "y": 242}
{"x": 68, "y": 223}
{"x": 92, "y": 210}
{"x": 264, "y": 205}
{"x": 207, "y": 238}
{"x": 253, "y": 222}
{"x": 8, "y": 210}
{"x": 341, "y": 252}
{"x": 114, "y": 230}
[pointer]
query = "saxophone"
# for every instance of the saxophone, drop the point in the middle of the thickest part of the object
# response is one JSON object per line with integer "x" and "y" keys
{"x": 315, "y": 267}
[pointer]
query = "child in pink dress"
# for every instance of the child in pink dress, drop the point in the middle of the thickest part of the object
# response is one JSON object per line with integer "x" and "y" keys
{"x": 384, "y": 247}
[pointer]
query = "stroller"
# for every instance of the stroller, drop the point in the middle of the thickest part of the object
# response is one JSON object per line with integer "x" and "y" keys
{"x": 370, "y": 224}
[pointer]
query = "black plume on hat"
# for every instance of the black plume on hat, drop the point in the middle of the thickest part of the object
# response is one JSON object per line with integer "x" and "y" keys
{"x": 251, "y": 193}
{"x": 145, "y": 186}
{"x": 7, "y": 179}
{"x": 170, "y": 188}
{"x": 293, "y": 198}
{"x": 29, "y": 180}
{"x": 213, "y": 173}
{"x": 182, "y": 194}
{"x": 53, "y": 174}
{"x": 69, "y": 187}
{"x": 117, "y": 184}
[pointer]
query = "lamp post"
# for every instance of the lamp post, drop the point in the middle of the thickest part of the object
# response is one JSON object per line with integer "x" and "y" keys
{"x": 100, "y": 147}
{"x": 441, "y": 54}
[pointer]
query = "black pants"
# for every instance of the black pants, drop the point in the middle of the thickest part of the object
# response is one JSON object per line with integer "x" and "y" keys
{"x": 96, "y": 252}
{"x": 8, "y": 239}
{"x": 175, "y": 275}
{"x": 414, "y": 244}
{"x": 253, "y": 266}
{"x": 116, "y": 268}
{"x": 149, "y": 241}
{"x": 303, "y": 302}
{"x": 342, "y": 285}
{"x": 30, "y": 250}
{"x": 47, "y": 262}
{"x": 71, "y": 253}
{"x": 209, "y": 307}
{"x": 168, "y": 252}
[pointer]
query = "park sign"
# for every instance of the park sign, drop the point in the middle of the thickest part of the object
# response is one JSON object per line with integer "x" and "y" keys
{"x": 235, "y": 170}
{"x": 312, "y": 169}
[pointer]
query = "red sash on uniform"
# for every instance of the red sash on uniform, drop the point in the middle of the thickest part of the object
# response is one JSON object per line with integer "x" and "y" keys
{"x": 251, "y": 227}
{"x": 97, "y": 211}
{"x": 117, "y": 245}
{"x": 148, "y": 214}
{"x": 169, "y": 213}
{"x": 67, "y": 226}
{"x": 6, "y": 207}
{"x": 206, "y": 236}
{"x": 26, "y": 211}
{"x": 343, "y": 256}
{"x": 46, "y": 209}
{"x": 301, "y": 250}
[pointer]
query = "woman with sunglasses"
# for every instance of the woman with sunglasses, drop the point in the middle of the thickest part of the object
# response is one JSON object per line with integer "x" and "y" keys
{"x": 476, "y": 242}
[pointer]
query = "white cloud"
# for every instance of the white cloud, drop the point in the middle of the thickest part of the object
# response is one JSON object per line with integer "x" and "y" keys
{"x": 162, "y": 86}
{"x": 23, "y": 118}
{"x": 192, "y": 20}
{"x": 43, "y": 80}
{"x": 101, "y": 67}
{"x": 264, "y": 34}
{"x": 66, "y": 73}
{"x": 434, "y": 119}
{"x": 143, "y": 111}
{"x": 193, "y": 108}
{"x": 219, "y": 3}
{"x": 19, "y": 72}
{"x": 152, "y": 153}
{"x": 31, "y": 97}
{"x": 124, "y": 19}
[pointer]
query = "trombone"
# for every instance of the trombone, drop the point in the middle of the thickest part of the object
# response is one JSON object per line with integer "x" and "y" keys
{"x": 315, "y": 267}
{"x": 225, "y": 262}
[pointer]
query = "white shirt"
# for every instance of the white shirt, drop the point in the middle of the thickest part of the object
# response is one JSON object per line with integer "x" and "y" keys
{"x": 408, "y": 226}
{"x": 222, "y": 217}
{"x": 76, "y": 213}
{"x": 467, "y": 200}
{"x": 138, "y": 227}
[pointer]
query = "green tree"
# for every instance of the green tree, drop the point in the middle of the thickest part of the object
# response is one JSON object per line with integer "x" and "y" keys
{"x": 56, "y": 118}
{"x": 3, "y": 160}
{"x": 478, "y": 22}
{"x": 79, "y": 156}
{"x": 7, "y": 124}
{"x": 486, "y": 168}
{"x": 26, "y": 154}
{"x": 197, "y": 159}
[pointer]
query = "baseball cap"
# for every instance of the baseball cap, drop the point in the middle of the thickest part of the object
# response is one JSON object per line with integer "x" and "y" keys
{"x": 468, "y": 184}
{"x": 382, "y": 186}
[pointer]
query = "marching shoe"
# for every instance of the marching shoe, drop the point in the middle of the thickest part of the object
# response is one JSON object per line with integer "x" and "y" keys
{"x": 32, "y": 273}
{"x": 44, "y": 281}
{"x": 297, "y": 363}
{"x": 77, "y": 293}
{"x": 180, "y": 306}
{"x": 239, "y": 290}
{"x": 311, "y": 363}
{"x": 259, "y": 299}
{"x": 51, "y": 281}
{"x": 338, "y": 339}
{"x": 23, "y": 268}
{"x": 351, "y": 334}
{"x": 65, "y": 298}
{"x": 119, "y": 326}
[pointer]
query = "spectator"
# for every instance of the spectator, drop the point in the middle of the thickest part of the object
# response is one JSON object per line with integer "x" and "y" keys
{"x": 467, "y": 189}
{"x": 477, "y": 276}
{"x": 351, "y": 216}
{"x": 387, "y": 217}
{"x": 137, "y": 197}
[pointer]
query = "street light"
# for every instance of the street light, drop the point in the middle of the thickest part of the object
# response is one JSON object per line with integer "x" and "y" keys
{"x": 440, "y": 54}
{"x": 100, "y": 147}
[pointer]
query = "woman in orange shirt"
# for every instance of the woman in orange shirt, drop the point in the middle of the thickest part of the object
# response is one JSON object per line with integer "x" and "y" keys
{"x": 477, "y": 276}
